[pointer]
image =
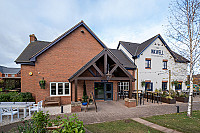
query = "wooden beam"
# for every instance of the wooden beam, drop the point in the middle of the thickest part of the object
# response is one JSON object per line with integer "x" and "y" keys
{"x": 120, "y": 78}
{"x": 105, "y": 63}
{"x": 91, "y": 78}
{"x": 76, "y": 83}
{"x": 98, "y": 70}
{"x": 130, "y": 89}
{"x": 91, "y": 72}
{"x": 114, "y": 68}
{"x": 104, "y": 78}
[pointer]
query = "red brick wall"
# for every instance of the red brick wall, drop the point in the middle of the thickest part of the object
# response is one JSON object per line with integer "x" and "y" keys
{"x": 60, "y": 62}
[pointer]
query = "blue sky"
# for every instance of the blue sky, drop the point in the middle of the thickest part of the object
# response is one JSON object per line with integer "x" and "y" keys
{"x": 111, "y": 20}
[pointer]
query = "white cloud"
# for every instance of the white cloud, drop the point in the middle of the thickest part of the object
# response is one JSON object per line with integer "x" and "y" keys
{"x": 112, "y": 21}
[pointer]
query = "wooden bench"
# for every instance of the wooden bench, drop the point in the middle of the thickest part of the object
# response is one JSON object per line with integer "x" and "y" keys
{"x": 52, "y": 101}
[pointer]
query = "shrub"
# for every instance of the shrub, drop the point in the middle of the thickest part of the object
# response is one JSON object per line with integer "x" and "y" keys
{"x": 16, "y": 97}
{"x": 71, "y": 125}
{"x": 37, "y": 124}
{"x": 169, "y": 97}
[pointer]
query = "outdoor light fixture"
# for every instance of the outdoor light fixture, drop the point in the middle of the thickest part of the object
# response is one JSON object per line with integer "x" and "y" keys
{"x": 108, "y": 76}
{"x": 82, "y": 31}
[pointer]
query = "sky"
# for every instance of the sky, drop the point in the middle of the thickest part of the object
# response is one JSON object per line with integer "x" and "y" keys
{"x": 111, "y": 20}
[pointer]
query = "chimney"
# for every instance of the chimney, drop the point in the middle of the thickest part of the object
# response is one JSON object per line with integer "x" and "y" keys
{"x": 32, "y": 38}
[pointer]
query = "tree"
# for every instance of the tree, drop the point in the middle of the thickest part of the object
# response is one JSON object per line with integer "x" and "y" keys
{"x": 184, "y": 29}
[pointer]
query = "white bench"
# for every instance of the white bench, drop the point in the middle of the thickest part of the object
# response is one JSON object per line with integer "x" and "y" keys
{"x": 9, "y": 111}
{"x": 35, "y": 107}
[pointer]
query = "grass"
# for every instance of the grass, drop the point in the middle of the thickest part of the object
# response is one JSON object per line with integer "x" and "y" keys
{"x": 120, "y": 126}
{"x": 178, "y": 121}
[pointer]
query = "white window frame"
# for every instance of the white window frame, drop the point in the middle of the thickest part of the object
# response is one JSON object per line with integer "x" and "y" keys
{"x": 63, "y": 88}
{"x": 122, "y": 85}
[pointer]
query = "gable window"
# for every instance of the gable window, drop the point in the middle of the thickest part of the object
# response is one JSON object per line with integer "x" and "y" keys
{"x": 165, "y": 64}
{"x": 148, "y": 63}
{"x": 59, "y": 89}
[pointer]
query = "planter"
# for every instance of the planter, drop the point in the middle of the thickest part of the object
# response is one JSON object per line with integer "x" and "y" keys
{"x": 182, "y": 99}
{"x": 84, "y": 103}
{"x": 169, "y": 101}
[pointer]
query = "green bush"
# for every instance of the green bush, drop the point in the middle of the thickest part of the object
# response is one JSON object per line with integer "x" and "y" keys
{"x": 37, "y": 124}
{"x": 71, "y": 125}
{"x": 16, "y": 97}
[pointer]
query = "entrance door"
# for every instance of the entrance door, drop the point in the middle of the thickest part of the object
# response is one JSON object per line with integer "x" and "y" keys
{"x": 108, "y": 91}
{"x": 103, "y": 91}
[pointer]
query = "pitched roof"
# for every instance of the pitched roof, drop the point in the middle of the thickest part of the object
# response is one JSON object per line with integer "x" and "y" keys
{"x": 87, "y": 65}
{"x": 30, "y": 50}
{"x": 135, "y": 49}
{"x": 33, "y": 58}
{"x": 123, "y": 59}
{"x": 6, "y": 70}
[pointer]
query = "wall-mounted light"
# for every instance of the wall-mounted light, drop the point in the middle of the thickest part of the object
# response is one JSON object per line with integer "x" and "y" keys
{"x": 30, "y": 73}
{"x": 82, "y": 31}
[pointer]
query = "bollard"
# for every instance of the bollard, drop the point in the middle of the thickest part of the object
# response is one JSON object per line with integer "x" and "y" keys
{"x": 177, "y": 109}
{"x": 61, "y": 109}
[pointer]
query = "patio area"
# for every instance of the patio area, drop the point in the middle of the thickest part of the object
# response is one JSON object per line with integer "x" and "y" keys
{"x": 109, "y": 111}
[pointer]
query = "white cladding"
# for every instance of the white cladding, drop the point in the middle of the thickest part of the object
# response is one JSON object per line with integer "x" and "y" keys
{"x": 158, "y": 52}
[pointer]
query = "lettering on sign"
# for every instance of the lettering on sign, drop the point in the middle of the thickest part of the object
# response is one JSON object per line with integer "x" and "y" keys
{"x": 159, "y": 52}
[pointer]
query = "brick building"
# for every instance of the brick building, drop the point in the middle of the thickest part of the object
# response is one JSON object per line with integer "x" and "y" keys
{"x": 75, "y": 59}
{"x": 10, "y": 76}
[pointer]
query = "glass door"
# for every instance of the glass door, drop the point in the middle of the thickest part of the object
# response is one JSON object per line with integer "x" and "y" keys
{"x": 99, "y": 91}
{"x": 108, "y": 91}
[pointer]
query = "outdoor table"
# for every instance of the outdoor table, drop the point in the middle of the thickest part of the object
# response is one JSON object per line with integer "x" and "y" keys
{"x": 23, "y": 106}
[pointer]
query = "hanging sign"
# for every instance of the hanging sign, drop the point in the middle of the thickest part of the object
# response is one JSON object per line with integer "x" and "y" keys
{"x": 159, "y": 52}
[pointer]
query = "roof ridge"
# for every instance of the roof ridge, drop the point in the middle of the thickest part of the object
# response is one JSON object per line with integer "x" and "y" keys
{"x": 68, "y": 32}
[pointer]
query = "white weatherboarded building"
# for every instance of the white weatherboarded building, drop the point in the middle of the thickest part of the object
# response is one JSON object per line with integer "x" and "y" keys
{"x": 154, "y": 59}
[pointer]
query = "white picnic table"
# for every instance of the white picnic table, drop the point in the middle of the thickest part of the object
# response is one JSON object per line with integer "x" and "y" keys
{"x": 16, "y": 105}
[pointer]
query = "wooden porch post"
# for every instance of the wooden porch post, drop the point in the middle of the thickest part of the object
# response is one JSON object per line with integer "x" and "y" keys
{"x": 130, "y": 89}
{"x": 76, "y": 82}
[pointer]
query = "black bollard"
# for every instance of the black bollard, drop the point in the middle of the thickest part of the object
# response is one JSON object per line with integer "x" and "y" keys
{"x": 61, "y": 109}
{"x": 177, "y": 109}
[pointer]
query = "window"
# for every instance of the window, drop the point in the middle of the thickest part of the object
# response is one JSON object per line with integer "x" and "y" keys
{"x": 164, "y": 86}
{"x": 13, "y": 75}
{"x": 148, "y": 63}
{"x": 59, "y": 89}
{"x": 123, "y": 86}
{"x": 179, "y": 86}
{"x": 164, "y": 64}
{"x": 148, "y": 86}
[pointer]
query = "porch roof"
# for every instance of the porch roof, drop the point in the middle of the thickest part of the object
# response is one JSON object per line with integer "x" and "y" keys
{"x": 90, "y": 63}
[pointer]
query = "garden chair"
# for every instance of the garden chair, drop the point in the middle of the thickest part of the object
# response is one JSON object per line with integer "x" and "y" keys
{"x": 9, "y": 111}
{"x": 35, "y": 107}
{"x": 92, "y": 102}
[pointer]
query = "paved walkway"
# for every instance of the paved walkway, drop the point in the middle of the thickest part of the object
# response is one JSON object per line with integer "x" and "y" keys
{"x": 155, "y": 126}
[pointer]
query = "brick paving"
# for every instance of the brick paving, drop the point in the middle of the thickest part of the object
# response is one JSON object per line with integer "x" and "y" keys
{"x": 112, "y": 110}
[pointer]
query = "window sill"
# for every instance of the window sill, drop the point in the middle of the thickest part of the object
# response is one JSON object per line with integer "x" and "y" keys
{"x": 59, "y": 95}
